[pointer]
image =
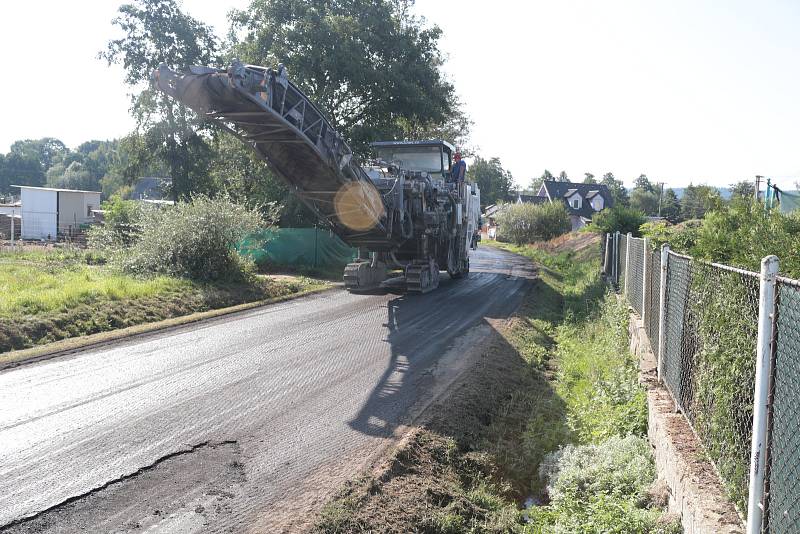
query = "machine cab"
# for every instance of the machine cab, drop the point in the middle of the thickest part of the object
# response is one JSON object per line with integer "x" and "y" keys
{"x": 434, "y": 157}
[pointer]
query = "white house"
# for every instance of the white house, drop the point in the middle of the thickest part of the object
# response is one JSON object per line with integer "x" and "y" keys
{"x": 48, "y": 212}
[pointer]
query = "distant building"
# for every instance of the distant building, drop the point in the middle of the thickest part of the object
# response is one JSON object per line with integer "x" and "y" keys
{"x": 49, "y": 213}
{"x": 581, "y": 200}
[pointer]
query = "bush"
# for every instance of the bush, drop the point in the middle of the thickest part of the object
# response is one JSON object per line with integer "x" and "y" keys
{"x": 618, "y": 219}
{"x": 194, "y": 239}
{"x": 599, "y": 488}
{"x": 526, "y": 223}
{"x": 121, "y": 224}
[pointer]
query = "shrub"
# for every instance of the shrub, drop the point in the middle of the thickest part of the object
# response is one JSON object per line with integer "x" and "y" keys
{"x": 526, "y": 223}
{"x": 680, "y": 237}
{"x": 194, "y": 239}
{"x": 618, "y": 219}
{"x": 599, "y": 488}
{"x": 744, "y": 232}
{"x": 121, "y": 226}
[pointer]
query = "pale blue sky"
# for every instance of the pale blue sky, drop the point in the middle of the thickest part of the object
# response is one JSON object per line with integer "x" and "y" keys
{"x": 681, "y": 90}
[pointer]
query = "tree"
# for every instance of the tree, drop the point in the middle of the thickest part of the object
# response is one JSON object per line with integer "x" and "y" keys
{"x": 698, "y": 200}
{"x": 644, "y": 201}
{"x": 75, "y": 176}
{"x": 644, "y": 183}
{"x": 670, "y": 206}
{"x": 371, "y": 65}
{"x": 743, "y": 189}
{"x": 589, "y": 178}
{"x": 562, "y": 177}
{"x": 616, "y": 188}
{"x": 46, "y": 150}
{"x": 547, "y": 175}
{"x": 494, "y": 182}
{"x": 155, "y": 32}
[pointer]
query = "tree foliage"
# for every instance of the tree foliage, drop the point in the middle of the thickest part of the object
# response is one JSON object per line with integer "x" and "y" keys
{"x": 494, "y": 182}
{"x": 616, "y": 188}
{"x": 743, "y": 189}
{"x": 698, "y": 200}
{"x": 620, "y": 219}
{"x": 525, "y": 223}
{"x": 155, "y": 32}
{"x": 670, "y": 206}
{"x": 370, "y": 64}
{"x": 588, "y": 178}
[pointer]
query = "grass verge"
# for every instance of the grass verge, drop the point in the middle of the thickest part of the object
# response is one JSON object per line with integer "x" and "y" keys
{"x": 54, "y": 296}
{"x": 552, "y": 414}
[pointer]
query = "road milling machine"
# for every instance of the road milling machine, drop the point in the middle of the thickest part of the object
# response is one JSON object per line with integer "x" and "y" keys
{"x": 400, "y": 210}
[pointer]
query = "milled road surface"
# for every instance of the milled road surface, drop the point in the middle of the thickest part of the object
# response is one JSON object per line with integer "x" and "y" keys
{"x": 238, "y": 424}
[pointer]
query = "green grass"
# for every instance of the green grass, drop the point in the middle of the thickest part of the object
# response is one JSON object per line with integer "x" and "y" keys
{"x": 58, "y": 294}
{"x": 576, "y": 332}
{"x": 33, "y": 288}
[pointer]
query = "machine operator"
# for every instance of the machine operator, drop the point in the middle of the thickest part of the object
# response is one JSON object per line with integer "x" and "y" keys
{"x": 459, "y": 171}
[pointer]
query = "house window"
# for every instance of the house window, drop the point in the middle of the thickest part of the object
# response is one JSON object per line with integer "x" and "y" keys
{"x": 576, "y": 203}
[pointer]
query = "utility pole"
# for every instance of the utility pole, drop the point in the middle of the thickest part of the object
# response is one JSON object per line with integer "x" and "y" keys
{"x": 758, "y": 184}
{"x": 660, "y": 196}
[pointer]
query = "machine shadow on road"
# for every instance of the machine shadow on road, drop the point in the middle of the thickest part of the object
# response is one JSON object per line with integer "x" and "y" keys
{"x": 422, "y": 328}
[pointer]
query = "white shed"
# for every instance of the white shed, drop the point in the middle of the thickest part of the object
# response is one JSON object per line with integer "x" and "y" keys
{"x": 48, "y": 212}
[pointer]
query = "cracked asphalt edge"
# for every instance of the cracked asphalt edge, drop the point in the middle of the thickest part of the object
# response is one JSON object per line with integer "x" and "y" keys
{"x": 180, "y": 452}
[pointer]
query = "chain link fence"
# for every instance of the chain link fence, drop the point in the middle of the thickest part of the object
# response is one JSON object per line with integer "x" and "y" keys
{"x": 634, "y": 290}
{"x": 711, "y": 316}
{"x": 652, "y": 298}
{"x": 783, "y": 490}
{"x": 622, "y": 265}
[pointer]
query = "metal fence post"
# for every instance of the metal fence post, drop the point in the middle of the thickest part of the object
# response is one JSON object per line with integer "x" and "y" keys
{"x": 627, "y": 261}
{"x": 662, "y": 310}
{"x": 615, "y": 266}
{"x": 766, "y": 314}
{"x": 645, "y": 285}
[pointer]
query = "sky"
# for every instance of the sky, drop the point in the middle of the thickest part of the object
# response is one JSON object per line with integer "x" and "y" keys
{"x": 702, "y": 91}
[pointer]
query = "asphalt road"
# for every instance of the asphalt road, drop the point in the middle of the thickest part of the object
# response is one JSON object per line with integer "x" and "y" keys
{"x": 239, "y": 423}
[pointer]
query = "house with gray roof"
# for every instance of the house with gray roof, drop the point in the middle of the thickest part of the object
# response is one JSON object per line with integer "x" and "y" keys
{"x": 581, "y": 200}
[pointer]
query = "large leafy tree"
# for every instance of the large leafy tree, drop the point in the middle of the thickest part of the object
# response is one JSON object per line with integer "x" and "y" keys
{"x": 494, "y": 182}
{"x": 155, "y": 32}
{"x": 369, "y": 64}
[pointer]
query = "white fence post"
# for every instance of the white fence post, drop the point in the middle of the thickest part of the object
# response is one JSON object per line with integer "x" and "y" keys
{"x": 645, "y": 285}
{"x": 662, "y": 314}
{"x": 615, "y": 266}
{"x": 627, "y": 261}
{"x": 766, "y": 315}
{"x": 607, "y": 255}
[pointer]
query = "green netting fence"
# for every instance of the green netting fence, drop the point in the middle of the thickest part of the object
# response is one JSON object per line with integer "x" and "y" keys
{"x": 310, "y": 248}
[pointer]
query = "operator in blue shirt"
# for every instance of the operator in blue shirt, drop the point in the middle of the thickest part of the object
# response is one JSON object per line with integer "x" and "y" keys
{"x": 459, "y": 171}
